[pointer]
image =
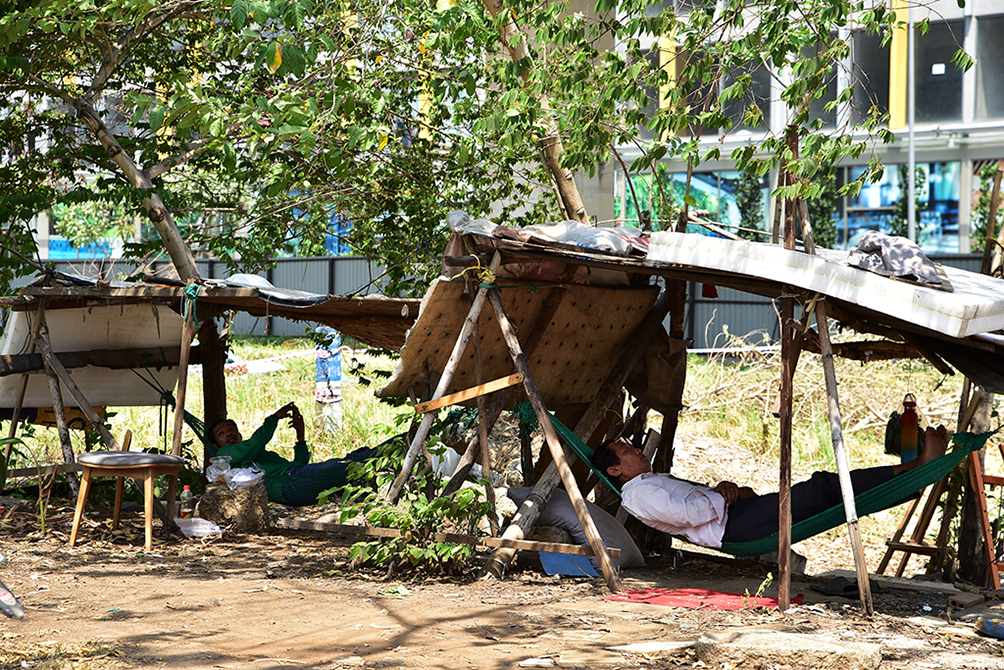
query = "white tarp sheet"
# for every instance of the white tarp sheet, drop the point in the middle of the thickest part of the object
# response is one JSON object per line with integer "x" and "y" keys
{"x": 975, "y": 306}
{"x": 92, "y": 328}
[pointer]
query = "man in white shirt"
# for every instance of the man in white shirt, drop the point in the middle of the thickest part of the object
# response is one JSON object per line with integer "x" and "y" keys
{"x": 728, "y": 512}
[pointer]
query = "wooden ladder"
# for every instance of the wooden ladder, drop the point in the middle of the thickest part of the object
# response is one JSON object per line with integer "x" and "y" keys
{"x": 916, "y": 544}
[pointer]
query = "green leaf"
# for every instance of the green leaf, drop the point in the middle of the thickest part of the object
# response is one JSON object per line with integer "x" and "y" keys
{"x": 273, "y": 56}
{"x": 239, "y": 14}
{"x": 156, "y": 118}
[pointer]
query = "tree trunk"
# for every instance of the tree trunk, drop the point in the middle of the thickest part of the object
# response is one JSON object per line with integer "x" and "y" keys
{"x": 158, "y": 213}
{"x": 550, "y": 145}
{"x": 214, "y": 388}
{"x": 972, "y": 560}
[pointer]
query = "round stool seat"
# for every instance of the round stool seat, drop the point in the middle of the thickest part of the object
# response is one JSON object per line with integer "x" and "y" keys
{"x": 127, "y": 459}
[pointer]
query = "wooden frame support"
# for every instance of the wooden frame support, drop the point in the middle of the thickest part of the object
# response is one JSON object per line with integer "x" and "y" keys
{"x": 451, "y": 366}
{"x": 553, "y": 443}
{"x": 529, "y": 545}
{"x": 840, "y": 456}
{"x": 479, "y": 391}
{"x": 528, "y": 513}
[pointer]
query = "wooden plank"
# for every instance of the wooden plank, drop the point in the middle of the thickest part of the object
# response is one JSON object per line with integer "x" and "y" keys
{"x": 44, "y": 470}
{"x": 467, "y": 394}
{"x": 913, "y": 547}
{"x": 373, "y": 531}
{"x": 115, "y": 359}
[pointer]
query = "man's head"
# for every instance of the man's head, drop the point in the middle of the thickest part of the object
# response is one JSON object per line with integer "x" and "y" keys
{"x": 621, "y": 461}
{"x": 225, "y": 432}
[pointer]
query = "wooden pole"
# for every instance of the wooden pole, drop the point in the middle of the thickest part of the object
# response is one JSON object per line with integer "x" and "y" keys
{"x": 528, "y": 513}
{"x": 19, "y": 403}
{"x": 554, "y": 444}
{"x": 57, "y": 406}
{"x": 444, "y": 382}
{"x": 486, "y": 457}
{"x": 840, "y": 456}
{"x": 504, "y": 399}
{"x": 991, "y": 252}
{"x": 187, "y": 332}
{"x": 784, "y": 465}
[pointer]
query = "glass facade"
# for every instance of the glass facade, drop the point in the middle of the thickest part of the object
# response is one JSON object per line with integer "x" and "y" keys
{"x": 882, "y": 206}
{"x": 871, "y": 75}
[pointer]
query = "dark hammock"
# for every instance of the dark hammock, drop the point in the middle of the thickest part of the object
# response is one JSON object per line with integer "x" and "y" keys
{"x": 893, "y": 492}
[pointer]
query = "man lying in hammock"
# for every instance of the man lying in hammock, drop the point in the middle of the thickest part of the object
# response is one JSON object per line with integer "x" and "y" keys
{"x": 227, "y": 438}
{"x": 728, "y": 512}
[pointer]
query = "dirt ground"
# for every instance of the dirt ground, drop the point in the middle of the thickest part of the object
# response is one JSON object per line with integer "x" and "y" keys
{"x": 288, "y": 600}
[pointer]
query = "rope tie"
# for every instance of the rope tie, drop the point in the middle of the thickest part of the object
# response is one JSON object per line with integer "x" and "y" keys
{"x": 191, "y": 296}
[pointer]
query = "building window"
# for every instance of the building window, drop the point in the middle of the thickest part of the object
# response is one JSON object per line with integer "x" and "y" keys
{"x": 990, "y": 68}
{"x": 881, "y": 206}
{"x": 871, "y": 75}
{"x": 939, "y": 83}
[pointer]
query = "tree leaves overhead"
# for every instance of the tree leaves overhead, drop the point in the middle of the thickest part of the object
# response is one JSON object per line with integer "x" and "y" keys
{"x": 257, "y": 121}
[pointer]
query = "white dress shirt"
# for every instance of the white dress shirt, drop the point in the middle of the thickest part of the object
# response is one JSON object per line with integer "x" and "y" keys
{"x": 697, "y": 513}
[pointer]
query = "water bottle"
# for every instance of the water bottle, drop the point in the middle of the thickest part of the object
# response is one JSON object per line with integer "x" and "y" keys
{"x": 187, "y": 503}
{"x": 908, "y": 429}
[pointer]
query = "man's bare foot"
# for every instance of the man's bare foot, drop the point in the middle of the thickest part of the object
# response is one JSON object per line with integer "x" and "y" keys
{"x": 935, "y": 444}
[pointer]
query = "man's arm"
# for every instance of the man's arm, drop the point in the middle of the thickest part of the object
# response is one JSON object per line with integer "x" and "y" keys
{"x": 301, "y": 454}
{"x": 250, "y": 449}
{"x": 733, "y": 492}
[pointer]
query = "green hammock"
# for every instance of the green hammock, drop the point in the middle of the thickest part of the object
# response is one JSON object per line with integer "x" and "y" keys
{"x": 868, "y": 502}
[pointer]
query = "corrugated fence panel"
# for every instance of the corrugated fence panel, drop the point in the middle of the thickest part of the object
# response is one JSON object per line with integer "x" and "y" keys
{"x": 717, "y": 322}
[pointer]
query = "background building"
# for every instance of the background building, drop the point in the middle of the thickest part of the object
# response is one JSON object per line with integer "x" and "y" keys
{"x": 957, "y": 129}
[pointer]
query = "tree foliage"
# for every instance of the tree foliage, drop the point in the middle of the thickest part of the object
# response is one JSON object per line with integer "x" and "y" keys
{"x": 247, "y": 124}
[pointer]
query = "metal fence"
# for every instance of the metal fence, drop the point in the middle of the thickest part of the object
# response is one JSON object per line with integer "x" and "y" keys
{"x": 711, "y": 322}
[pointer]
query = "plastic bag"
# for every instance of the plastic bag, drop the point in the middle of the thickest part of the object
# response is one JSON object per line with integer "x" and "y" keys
{"x": 196, "y": 527}
{"x": 217, "y": 470}
{"x": 242, "y": 478}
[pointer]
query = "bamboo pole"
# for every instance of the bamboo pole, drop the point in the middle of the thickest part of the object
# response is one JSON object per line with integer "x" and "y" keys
{"x": 486, "y": 457}
{"x": 444, "y": 382}
{"x": 840, "y": 456}
{"x": 554, "y": 444}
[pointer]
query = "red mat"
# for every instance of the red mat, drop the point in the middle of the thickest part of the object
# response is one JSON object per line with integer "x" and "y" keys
{"x": 697, "y": 598}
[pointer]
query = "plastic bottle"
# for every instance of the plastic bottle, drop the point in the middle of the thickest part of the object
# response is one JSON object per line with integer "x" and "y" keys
{"x": 187, "y": 503}
{"x": 908, "y": 429}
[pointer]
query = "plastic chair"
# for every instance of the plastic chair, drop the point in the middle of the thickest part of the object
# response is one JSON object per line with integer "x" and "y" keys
{"x": 122, "y": 464}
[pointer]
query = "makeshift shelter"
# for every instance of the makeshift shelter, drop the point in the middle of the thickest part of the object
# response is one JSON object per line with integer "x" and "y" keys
{"x": 569, "y": 326}
{"x": 954, "y": 321}
{"x": 129, "y": 342}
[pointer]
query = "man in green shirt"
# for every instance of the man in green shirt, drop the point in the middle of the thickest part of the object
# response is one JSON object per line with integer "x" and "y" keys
{"x": 229, "y": 442}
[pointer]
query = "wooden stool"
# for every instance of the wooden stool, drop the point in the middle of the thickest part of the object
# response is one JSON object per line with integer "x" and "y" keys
{"x": 123, "y": 464}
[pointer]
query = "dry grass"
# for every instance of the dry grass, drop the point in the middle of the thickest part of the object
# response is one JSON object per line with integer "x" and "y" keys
{"x": 736, "y": 398}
